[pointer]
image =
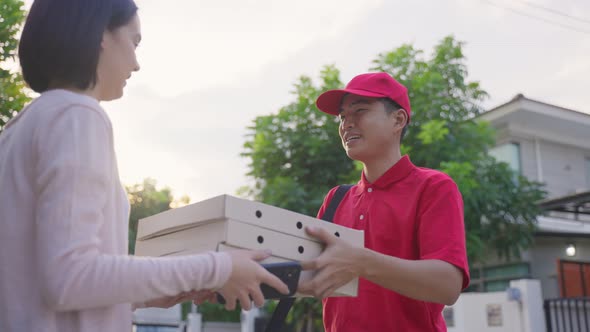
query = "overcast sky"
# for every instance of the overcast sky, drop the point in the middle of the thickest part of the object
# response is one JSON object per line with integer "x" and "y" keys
{"x": 208, "y": 68}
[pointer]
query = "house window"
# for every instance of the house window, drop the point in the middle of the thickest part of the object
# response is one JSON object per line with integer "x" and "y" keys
{"x": 497, "y": 278}
{"x": 506, "y": 270}
{"x": 496, "y": 285}
{"x": 508, "y": 153}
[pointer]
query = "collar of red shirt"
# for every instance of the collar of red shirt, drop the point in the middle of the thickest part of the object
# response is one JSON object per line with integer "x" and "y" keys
{"x": 397, "y": 172}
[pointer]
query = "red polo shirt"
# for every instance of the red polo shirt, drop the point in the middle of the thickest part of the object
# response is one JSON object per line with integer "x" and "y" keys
{"x": 410, "y": 213}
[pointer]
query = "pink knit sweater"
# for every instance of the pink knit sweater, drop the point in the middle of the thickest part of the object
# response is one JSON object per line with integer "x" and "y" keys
{"x": 63, "y": 226}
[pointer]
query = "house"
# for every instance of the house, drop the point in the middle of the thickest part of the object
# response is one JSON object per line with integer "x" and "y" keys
{"x": 549, "y": 144}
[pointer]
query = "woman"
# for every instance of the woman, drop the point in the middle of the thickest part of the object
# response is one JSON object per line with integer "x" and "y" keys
{"x": 63, "y": 211}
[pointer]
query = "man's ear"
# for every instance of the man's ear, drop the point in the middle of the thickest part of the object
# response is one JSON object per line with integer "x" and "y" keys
{"x": 401, "y": 118}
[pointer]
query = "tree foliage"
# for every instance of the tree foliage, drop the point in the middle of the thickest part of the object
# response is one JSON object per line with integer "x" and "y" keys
{"x": 12, "y": 88}
{"x": 146, "y": 200}
{"x": 445, "y": 134}
{"x": 296, "y": 156}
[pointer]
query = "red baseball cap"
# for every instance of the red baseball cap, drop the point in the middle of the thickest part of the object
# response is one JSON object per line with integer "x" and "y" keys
{"x": 375, "y": 85}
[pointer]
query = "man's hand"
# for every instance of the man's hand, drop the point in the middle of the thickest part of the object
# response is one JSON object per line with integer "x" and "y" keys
{"x": 338, "y": 264}
{"x": 430, "y": 280}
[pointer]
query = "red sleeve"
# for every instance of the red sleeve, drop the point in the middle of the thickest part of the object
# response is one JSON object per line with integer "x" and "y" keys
{"x": 327, "y": 200}
{"x": 441, "y": 229}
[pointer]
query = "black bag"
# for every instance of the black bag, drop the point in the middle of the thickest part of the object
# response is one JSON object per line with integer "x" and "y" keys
{"x": 280, "y": 314}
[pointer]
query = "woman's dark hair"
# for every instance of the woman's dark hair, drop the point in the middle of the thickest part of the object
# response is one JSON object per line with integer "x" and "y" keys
{"x": 61, "y": 40}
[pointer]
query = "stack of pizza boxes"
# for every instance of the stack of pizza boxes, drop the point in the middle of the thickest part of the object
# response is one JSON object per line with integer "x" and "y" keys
{"x": 227, "y": 223}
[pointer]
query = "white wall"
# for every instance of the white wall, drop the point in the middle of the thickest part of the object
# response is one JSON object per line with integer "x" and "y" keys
{"x": 494, "y": 312}
{"x": 564, "y": 168}
{"x": 471, "y": 313}
{"x": 172, "y": 315}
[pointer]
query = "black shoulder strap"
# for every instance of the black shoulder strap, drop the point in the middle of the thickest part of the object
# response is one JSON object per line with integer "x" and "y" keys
{"x": 280, "y": 314}
{"x": 335, "y": 201}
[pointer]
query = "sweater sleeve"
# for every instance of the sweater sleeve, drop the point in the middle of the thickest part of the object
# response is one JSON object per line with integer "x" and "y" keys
{"x": 74, "y": 175}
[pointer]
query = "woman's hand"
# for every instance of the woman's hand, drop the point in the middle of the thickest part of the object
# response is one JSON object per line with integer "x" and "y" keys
{"x": 246, "y": 277}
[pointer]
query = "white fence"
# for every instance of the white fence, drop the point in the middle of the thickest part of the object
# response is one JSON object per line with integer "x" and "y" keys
{"x": 519, "y": 309}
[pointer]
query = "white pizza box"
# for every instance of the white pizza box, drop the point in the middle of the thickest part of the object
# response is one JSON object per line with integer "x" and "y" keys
{"x": 225, "y": 221}
{"x": 232, "y": 234}
{"x": 226, "y": 207}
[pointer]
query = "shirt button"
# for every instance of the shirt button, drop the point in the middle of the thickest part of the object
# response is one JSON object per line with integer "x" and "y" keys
{"x": 362, "y": 217}
{"x": 370, "y": 190}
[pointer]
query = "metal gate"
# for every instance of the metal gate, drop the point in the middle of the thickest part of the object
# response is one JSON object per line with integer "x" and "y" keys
{"x": 567, "y": 314}
{"x": 571, "y": 312}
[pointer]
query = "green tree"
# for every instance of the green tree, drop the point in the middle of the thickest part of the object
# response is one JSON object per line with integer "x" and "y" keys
{"x": 213, "y": 312}
{"x": 12, "y": 87}
{"x": 293, "y": 159}
{"x": 445, "y": 134}
{"x": 296, "y": 155}
{"x": 146, "y": 200}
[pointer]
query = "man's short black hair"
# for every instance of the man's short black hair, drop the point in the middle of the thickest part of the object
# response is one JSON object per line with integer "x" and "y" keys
{"x": 61, "y": 40}
{"x": 390, "y": 107}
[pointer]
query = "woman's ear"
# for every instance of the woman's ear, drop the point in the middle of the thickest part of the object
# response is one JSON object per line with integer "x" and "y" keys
{"x": 106, "y": 38}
